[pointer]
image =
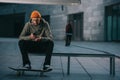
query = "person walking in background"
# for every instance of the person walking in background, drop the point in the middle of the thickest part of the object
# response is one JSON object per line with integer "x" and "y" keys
{"x": 69, "y": 32}
{"x": 36, "y": 36}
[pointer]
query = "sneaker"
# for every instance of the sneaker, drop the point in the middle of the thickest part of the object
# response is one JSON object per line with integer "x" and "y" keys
{"x": 47, "y": 68}
{"x": 27, "y": 66}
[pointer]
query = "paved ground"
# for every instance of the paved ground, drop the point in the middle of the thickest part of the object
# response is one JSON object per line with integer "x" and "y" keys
{"x": 82, "y": 68}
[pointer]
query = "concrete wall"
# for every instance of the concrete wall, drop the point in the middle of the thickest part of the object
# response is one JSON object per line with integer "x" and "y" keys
{"x": 93, "y": 16}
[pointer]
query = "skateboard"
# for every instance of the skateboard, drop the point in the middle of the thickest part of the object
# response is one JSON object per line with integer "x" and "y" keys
{"x": 20, "y": 71}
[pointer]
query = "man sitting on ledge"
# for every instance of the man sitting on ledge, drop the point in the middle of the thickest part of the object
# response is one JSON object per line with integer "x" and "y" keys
{"x": 36, "y": 36}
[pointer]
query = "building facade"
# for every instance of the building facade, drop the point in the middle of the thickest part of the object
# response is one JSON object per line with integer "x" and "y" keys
{"x": 92, "y": 20}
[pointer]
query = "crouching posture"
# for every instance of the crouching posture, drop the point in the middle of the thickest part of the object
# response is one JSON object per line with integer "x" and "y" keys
{"x": 36, "y": 36}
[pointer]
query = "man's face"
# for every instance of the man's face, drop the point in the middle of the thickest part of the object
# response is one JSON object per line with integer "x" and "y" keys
{"x": 35, "y": 21}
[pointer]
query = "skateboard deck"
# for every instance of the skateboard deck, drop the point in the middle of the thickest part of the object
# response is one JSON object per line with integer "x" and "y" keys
{"x": 20, "y": 71}
{"x": 36, "y": 70}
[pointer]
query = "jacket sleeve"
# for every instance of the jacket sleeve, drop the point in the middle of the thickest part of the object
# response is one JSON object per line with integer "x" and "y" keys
{"x": 25, "y": 33}
{"x": 66, "y": 29}
{"x": 47, "y": 32}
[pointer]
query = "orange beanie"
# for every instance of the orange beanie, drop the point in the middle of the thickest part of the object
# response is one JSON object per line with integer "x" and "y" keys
{"x": 35, "y": 14}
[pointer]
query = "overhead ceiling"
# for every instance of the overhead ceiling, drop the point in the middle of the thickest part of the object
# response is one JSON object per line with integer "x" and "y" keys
{"x": 51, "y": 2}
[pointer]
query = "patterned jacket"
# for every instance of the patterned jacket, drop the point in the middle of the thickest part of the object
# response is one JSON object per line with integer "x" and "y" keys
{"x": 42, "y": 30}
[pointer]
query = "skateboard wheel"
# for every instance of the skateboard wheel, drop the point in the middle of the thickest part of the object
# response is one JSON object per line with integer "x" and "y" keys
{"x": 18, "y": 73}
{"x": 22, "y": 72}
{"x": 41, "y": 74}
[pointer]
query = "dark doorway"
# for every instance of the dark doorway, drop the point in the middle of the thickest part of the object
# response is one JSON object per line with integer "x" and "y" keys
{"x": 77, "y": 23}
{"x": 112, "y": 22}
{"x": 11, "y": 25}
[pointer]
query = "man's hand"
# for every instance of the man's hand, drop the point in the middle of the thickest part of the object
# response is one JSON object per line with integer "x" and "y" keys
{"x": 38, "y": 39}
{"x": 32, "y": 36}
